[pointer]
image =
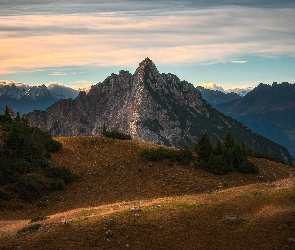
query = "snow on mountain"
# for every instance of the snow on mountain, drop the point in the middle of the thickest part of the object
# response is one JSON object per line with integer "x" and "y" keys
{"x": 242, "y": 91}
{"x": 17, "y": 90}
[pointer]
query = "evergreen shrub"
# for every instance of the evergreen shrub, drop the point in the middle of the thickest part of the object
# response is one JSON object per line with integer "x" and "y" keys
{"x": 184, "y": 156}
{"x": 24, "y": 159}
{"x": 226, "y": 156}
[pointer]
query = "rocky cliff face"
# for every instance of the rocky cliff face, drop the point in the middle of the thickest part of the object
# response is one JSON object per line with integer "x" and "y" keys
{"x": 147, "y": 105}
{"x": 142, "y": 105}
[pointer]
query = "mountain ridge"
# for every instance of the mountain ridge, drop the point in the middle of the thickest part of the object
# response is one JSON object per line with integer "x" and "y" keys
{"x": 215, "y": 97}
{"x": 267, "y": 110}
{"x": 24, "y": 98}
{"x": 150, "y": 106}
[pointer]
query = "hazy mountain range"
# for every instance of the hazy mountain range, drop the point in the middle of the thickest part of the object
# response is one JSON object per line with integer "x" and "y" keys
{"x": 241, "y": 91}
{"x": 25, "y": 98}
{"x": 267, "y": 110}
{"x": 215, "y": 97}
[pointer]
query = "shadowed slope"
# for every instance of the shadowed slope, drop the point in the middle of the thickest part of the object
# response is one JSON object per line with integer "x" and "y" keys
{"x": 122, "y": 200}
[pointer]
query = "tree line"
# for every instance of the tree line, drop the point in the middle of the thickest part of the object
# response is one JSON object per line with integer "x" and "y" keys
{"x": 226, "y": 156}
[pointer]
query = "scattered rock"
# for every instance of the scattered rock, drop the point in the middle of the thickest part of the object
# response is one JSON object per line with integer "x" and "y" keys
{"x": 234, "y": 218}
{"x": 136, "y": 209}
{"x": 109, "y": 233}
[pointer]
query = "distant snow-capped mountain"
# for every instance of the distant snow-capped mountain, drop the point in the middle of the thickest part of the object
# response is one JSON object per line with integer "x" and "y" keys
{"x": 242, "y": 91}
{"x": 20, "y": 90}
{"x": 25, "y": 98}
{"x": 215, "y": 97}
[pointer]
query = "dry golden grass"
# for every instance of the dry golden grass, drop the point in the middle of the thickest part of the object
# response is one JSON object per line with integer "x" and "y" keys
{"x": 124, "y": 201}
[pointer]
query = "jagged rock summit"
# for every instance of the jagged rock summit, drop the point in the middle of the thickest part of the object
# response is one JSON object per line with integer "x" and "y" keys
{"x": 140, "y": 105}
{"x": 148, "y": 105}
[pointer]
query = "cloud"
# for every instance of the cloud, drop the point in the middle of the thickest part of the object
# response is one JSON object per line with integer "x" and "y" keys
{"x": 118, "y": 35}
{"x": 243, "y": 90}
{"x": 82, "y": 85}
{"x": 60, "y": 89}
{"x": 238, "y": 62}
{"x": 11, "y": 82}
{"x": 58, "y": 74}
{"x": 212, "y": 86}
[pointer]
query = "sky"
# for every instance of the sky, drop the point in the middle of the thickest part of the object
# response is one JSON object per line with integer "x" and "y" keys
{"x": 228, "y": 43}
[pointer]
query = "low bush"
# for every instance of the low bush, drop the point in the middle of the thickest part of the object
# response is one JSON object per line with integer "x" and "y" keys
{"x": 117, "y": 135}
{"x": 247, "y": 168}
{"x": 31, "y": 187}
{"x": 58, "y": 184}
{"x": 61, "y": 173}
{"x": 184, "y": 156}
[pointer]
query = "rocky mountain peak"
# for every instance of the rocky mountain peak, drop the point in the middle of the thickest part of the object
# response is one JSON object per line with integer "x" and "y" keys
{"x": 146, "y": 69}
{"x": 150, "y": 106}
{"x": 147, "y": 63}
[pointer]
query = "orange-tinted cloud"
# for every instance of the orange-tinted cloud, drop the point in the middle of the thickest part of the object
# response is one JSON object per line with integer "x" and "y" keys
{"x": 114, "y": 38}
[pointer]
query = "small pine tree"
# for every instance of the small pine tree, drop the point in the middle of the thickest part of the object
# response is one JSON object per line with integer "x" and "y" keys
{"x": 218, "y": 147}
{"x": 6, "y": 119}
{"x": 17, "y": 118}
{"x": 204, "y": 148}
{"x": 228, "y": 141}
{"x": 238, "y": 156}
{"x": 245, "y": 150}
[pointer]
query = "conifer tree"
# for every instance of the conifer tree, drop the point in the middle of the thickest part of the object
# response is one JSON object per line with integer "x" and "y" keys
{"x": 238, "y": 156}
{"x": 218, "y": 147}
{"x": 228, "y": 141}
{"x": 6, "y": 119}
{"x": 204, "y": 148}
{"x": 17, "y": 118}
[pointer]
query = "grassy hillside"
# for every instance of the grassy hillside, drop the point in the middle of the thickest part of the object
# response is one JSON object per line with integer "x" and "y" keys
{"x": 120, "y": 200}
